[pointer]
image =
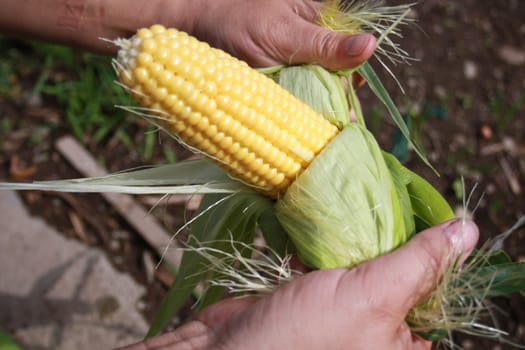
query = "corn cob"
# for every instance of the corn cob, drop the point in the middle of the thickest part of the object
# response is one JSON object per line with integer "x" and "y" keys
{"x": 218, "y": 105}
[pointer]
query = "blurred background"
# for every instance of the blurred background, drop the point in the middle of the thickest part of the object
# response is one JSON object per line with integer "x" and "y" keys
{"x": 464, "y": 98}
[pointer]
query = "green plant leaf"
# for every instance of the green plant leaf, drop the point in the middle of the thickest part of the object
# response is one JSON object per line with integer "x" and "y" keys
{"x": 399, "y": 146}
{"x": 188, "y": 177}
{"x": 367, "y": 72}
{"x": 7, "y": 343}
{"x": 401, "y": 180}
{"x": 502, "y": 279}
{"x": 494, "y": 258}
{"x": 434, "y": 335}
{"x": 428, "y": 205}
{"x": 274, "y": 234}
{"x": 220, "y": 219}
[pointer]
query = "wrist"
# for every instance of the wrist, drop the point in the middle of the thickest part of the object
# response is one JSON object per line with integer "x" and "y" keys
{"x": 121, "y": 19}
{"x": 180, "y": 14}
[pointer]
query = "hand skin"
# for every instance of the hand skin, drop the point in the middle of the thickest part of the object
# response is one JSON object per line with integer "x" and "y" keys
{"x": 361, "y": 308}
{"x": 261, "y": 32}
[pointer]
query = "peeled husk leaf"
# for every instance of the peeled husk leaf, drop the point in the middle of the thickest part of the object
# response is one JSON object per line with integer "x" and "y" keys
{"x": 320, "y": 89}
{"x": 344, "y": 208}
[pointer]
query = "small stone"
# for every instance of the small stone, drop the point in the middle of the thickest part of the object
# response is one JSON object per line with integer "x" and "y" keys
{"x": 470, "y": 69}
{"x": 512, "y": 55}
{"x": 486, "y": 132}
{"x": 509, "y": 145}
{"x": 149, "y": 266}
{"x": 490, "y": 188}
{"x": 440, "y": 92}
{"x": 34, "y": 100}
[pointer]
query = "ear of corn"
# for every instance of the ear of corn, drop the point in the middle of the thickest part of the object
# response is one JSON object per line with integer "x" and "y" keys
{"x": 339, "y": 198}
{"x": 218, "y": 105}
{"x": 341, "y": 208}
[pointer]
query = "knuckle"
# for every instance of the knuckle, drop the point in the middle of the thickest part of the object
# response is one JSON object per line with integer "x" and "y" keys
{"x": 432, "y": 254}
{"x": 324, "y": 44}
{"x": 377, "y": 306}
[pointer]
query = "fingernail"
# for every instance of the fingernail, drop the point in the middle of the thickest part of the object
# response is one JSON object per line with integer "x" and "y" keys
{"x": 463, "y": 235}
{"x": 356, "y": 44}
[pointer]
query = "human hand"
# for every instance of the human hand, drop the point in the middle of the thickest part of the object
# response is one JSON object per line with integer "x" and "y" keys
{"x": 272, "y": 32}
{"x": 261, "y": 32}
{"x": 361, "y": 308}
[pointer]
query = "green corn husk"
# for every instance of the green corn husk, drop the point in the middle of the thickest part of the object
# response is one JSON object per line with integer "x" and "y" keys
{"x": 344, "y": 208}
{"x": 320, "y": 89}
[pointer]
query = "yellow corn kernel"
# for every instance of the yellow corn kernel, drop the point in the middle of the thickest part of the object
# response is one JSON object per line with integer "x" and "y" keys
{"x": 218, "y": 105}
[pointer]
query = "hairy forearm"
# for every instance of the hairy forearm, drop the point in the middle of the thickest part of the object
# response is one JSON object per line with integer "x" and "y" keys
{"x": 82, "y": 23}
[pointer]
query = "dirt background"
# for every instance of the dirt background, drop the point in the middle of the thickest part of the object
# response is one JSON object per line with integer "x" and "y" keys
{"x": 465, "y": 96}
{"x": 468, "y": 92}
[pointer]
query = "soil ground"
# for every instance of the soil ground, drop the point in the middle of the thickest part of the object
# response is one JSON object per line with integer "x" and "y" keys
{"x": 465, "y": 95}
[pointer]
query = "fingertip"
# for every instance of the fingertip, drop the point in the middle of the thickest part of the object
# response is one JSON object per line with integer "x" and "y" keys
{"x": 415, "y": 268}
{"x": 463, "y": 235}
{"x": 470, "y": 235}
{"x": 358, "y": 47}
{"x": 354, "y": 50}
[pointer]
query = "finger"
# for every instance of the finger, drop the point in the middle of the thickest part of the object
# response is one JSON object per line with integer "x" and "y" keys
{"x": 222, "y": 311}
{"x": 413, "y": 271}
{"x": 332, "y": 50}
{"x": 194, "y": 335}
{"x": 419, "y": 343}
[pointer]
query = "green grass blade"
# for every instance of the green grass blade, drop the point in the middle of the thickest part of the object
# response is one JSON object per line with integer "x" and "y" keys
{"x": 171, "y": 157}
{"x": 222, "y": 219}
{"x": 149, "y": 144}
{"x": 7, "y": 343}
{"x": 367, "y": 72}
{"x": 274, "y": 234}
{"x": 501, "y": 279}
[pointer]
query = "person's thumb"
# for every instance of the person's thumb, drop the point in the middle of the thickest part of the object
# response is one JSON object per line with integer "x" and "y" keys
{"x": 334, "y": 50}
{"x": 413, "y": 271}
